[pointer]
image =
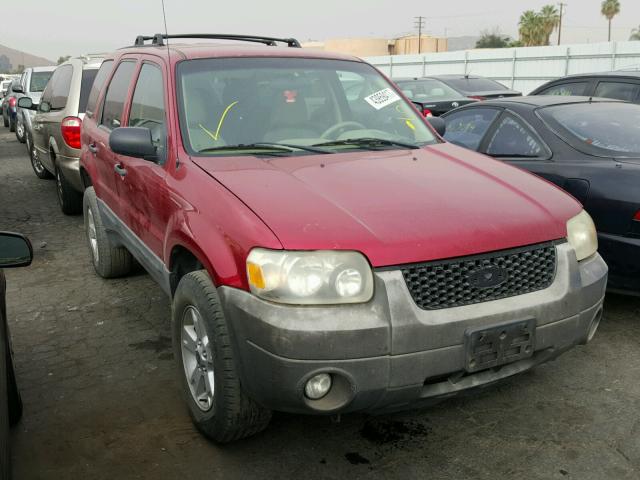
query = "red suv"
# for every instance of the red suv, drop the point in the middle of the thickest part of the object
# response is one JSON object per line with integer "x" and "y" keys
{"x": 324, "y": 249}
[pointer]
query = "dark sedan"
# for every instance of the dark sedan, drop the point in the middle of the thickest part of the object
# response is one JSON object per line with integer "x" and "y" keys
{"x": 15, "y": 251}
{"x": 620, "y": 85}
{"x": 10, "y": 107}
{"x": 478, "y": 88}
{"x": 590, "y": 148}
{"x": 431, "y": 96}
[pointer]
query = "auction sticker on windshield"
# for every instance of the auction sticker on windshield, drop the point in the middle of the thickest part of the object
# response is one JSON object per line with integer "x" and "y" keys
{"x": 382, "y": 98}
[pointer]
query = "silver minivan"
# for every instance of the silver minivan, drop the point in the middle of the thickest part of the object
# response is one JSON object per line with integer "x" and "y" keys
{"x": 55, "y": 149}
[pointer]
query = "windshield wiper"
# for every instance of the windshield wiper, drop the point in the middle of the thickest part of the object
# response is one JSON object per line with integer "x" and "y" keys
{"x": 272, "y": 147}
{"x": 368, "y": 143}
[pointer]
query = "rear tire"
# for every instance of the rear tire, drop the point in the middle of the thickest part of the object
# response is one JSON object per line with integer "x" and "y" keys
{"x": 226, "y": 413}
{"x": 20, "y": 131}
{"x": 5, "y": 120}
{"x": 109, "y": 261}
{"x": 69, "y": 198}
{"x": 12, "y": 125}
{"x": 38, "y": 168}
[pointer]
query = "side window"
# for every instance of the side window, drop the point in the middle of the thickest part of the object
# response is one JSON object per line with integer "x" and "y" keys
{"x": 98, "y": 83}
{"x": 147, "y": 106}
{"x": 468, "y": 127}
{"x": 60, "y": 89}
{"x": 566, "y": 89}
{"x": 513, "y": 138}
{"x": 117, "y": 94}
{"x": 618, "y": 90}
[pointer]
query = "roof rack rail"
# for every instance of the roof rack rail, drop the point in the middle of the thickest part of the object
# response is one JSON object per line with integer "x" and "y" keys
{"x": 159, "y": 38}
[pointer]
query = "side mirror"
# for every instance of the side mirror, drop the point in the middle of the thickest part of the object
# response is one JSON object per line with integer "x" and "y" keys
{"x": 15, "y": 250}
{"x": 133, "y": 142}
{"x": 26, "y": 103}
{"x": 17, "y": 89}
{"x": 438, "y": 124}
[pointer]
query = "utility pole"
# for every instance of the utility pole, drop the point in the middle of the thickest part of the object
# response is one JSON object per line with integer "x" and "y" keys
{"x": 562, "y": 5}
{"x": 419, "y": 24}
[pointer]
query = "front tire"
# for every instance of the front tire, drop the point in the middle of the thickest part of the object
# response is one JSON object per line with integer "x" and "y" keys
{"x": 36, "y": 164}
{"x": 109, "y": 261}
{"x": 69, "y": 198}
{"x": 210, "y": 382}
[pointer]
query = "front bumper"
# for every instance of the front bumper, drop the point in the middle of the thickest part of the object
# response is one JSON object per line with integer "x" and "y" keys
{"x": 70, "y": 168}
{"x": 388, "y": 354}
{"x": 622, "y": 254}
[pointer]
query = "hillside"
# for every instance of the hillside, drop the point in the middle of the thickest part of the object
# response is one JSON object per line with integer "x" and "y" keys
{"x": 11, "y": 58}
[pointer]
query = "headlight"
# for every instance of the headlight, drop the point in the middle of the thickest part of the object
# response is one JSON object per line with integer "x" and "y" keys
{"x": 310, "y": 277}
{"x": 582, "y": 236}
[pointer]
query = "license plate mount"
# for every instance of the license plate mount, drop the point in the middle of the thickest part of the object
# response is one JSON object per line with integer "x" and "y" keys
{"x": 498, "y": 345}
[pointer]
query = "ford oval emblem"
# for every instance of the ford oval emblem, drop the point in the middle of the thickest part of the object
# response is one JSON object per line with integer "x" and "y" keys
{"x": 455, "y": 104}
{"x": 487, "y": 277}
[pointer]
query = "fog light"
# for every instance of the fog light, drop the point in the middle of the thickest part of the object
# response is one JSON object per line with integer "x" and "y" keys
{"x": 318, "y": 386}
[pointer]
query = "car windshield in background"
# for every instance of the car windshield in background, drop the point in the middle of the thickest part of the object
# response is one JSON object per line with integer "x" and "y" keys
{"x": 39, "y": 81}
{"x": 601, "y": 129}
{"x": 428, "y": 90}
{"x": 88, "y": 76}
{"x": 236, "y": 102}
{"x": 475, "y": 84}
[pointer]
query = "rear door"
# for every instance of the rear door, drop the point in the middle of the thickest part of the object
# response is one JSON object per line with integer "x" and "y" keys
{"x": 51, "y": 112}
{"x": 144, "y": 196}
{"x": 110, "y": 117}
{"x": 627, "y": 91}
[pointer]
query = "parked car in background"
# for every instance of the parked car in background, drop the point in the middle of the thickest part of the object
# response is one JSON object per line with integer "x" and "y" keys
{"x": 32, "y": 82}
{"x": 477, "y": 88}
{"x": 432, "y": 96}
{"x": 4, "y": 87}
{"x": 325, "y": 251}
{"x": 10, "y": 107}
{"x": 620, "y": 85}
{"x": 590, "y": 148}
{"x": 56, "y": 128}
{"x": 15, "y": 251}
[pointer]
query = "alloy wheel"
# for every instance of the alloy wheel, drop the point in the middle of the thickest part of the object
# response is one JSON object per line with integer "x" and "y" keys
{"x": 93, "y": 238}
{"x": 35, "y": 158}
{"x": 197, "y": 358}
{"x": 20, "y": 130}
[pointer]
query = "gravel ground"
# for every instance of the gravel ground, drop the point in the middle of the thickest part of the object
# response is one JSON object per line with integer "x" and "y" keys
{"x": 98, "y": 380}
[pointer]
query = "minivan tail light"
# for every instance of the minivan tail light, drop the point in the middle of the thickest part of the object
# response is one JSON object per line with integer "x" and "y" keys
{"x": 12, "y": 102}
{"x": 71, "y": 131}
{"x": 636, "y": 217}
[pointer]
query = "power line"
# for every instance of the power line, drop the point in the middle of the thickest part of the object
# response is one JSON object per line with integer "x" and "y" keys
{"x": 419, "y": 24}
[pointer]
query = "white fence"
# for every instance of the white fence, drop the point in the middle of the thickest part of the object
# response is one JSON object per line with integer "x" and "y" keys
{"x": 522, "y": 68}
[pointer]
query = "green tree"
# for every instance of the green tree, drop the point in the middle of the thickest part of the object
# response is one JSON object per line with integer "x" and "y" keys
{"x": 493, "y": 39}
{"x": 532, "y": 29}
{"x": 635, "y": 34}
{"x": 610, "y": 8}
{"x": 63, "y": 59}
{"x": 550, "y": 20}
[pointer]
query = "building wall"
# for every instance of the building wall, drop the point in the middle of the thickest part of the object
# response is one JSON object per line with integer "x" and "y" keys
{"x": 409, "y": 45}
{"x": 371, "y": 47}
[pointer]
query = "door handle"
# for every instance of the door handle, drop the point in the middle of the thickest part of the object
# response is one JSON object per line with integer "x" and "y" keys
{"x": 120, "y": 170}
{"x": 93, "y": 148}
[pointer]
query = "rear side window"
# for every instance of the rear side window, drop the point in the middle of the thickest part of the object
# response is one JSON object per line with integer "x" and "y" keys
{"x": 117, "y": 94}
{"x": 468, "y": 127}
{"x": 98, "y": 83}
{"x": 57, "y": 91}
{"x": 566, "y": 89}
{"x": 514, "y": 139}
{"x": 618, "y": 90}
{"x": 147, "y": 106}
{"x": 88, "y": 76}
{"x": 475, "y": 84}
{"x": 39, "y": 81}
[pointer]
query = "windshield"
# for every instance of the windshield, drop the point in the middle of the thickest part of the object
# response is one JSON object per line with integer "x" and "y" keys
{"x": 39, "y": 81}
{"x": 428, "y": 90}
{"x": 601, "y": 129}
{"x": 475, "y": 84}
{"x": 246, "y": 101}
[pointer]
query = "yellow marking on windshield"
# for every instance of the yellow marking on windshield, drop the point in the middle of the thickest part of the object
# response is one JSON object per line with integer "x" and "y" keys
{"x": 409, "y": 124}
{"x": 216, "y": 135}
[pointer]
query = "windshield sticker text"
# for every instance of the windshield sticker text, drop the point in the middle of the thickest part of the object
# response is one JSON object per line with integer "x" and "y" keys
{"x": 382, "y": 98}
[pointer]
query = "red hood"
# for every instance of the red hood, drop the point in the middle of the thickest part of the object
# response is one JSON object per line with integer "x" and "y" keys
{"x": 397, "y": 206}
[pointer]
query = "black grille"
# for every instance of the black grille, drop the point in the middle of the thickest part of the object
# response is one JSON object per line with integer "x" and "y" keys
{"x": 462, "y": 281}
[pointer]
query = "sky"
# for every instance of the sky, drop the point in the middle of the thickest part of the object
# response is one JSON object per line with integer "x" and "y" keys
{"x": 73, "y": 27}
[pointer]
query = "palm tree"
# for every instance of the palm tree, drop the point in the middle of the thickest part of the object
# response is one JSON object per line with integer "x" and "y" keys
{"x": 550, "y": 20}
{"x": 532, "y": 29}
{"x": 610, "y": 8}
{"x": 635, "y": 34}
